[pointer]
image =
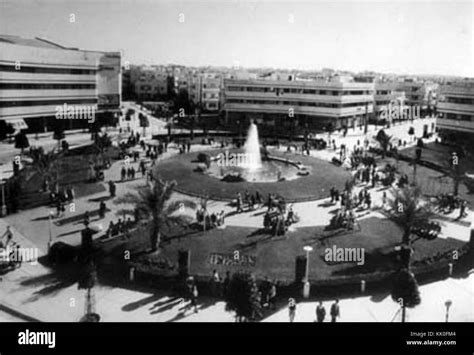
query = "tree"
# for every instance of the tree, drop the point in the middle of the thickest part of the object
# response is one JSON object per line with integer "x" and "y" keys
{"x": 152, "y": 202}
{"x": 45, "y": 164}
{"x": 410, "y": 212}
{"x": 384, "y": 140}
{"x": 405, "y": 290}
{"x": 5, "y": 129}
{"x": 21, "y": 141}
{"x": 242, "y": 295}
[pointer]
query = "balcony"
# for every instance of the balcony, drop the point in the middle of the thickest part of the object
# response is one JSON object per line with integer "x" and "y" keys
{"x": 455, "y": 125}
{"x": 455, "y": 108}
{"x": 306, "y": 110}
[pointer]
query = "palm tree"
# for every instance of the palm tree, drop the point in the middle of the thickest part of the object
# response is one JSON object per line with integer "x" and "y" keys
{"x": 151, "y": 202}
{"x": 45, "y": 164}
{"x": 405, "y": 291}
{"x": 414, "y": 215}
{"x": 242, "y": 295}
{"x": 410, "y": 212}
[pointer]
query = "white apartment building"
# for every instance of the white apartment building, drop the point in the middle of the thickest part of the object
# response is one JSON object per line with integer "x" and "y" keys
{"x": 38, "y": 76}
{"x": 205, "y": 90}
{"x": 279, "y": 105}
{"x": 456, "y": 110}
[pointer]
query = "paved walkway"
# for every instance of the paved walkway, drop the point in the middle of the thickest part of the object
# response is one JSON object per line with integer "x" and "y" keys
{"x": 37, "y": 293}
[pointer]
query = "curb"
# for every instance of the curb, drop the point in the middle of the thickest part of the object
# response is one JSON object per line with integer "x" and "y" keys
{"x": 8, "y": 309}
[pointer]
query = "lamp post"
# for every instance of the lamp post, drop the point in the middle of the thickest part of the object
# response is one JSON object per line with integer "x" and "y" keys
{"x": 307, "y": 286}
{"x": 50, "y": 241}
{"x": 4, "y": 206}
{"x": 448, "y": 304}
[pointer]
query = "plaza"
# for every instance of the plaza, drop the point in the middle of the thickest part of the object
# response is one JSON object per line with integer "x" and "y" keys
{"x": 316, "y": 182}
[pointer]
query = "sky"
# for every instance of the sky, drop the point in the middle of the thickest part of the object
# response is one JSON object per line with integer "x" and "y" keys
{"x": 403, "y": 37}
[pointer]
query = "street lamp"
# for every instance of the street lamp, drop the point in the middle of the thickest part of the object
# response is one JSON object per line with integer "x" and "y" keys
{"x": 4, "y": 206}
{"x": 306, "y": 286}
{"x": 448, "y": 304}
{"x": 50, "y": 242}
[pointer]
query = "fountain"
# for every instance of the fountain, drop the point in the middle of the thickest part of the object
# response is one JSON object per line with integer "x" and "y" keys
{"x": 252, "y": 149}
{"x": 246, "y": 164}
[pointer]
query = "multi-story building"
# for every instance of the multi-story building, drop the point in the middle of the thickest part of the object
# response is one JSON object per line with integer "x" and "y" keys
{"x": 419, "y": 93}
{"x": 385, "y": 95}
{"x": 151, "y": 84}
{"x": 455, "y": 108}
{"x": 38, "y": 78}
{"x": 278, "y": 105}
{"x": 204, "y": 91}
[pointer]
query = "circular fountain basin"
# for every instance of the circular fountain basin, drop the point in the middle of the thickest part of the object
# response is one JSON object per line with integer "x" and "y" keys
{"x": 270, "y": 170}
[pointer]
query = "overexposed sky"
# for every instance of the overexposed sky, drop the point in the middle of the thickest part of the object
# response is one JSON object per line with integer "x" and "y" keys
{"x": 411, "y": 37}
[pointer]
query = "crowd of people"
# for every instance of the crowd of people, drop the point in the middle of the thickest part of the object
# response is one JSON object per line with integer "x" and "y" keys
{"x": 210, "y": 220}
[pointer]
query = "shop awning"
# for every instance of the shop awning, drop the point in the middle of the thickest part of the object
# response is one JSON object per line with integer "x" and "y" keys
{"x": 17, "y": 123}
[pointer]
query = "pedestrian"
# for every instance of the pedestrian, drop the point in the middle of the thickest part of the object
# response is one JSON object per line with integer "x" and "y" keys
{"x": 384, "y": 198}
{"x": 258, "y": 198}
{"x": 112, "y": 188}
{"x": 102, "y": 208}
{"x": 462, "y": 210}
{"x": 239, "y": 203}
{"x": 194, "y": 296}
{"x": 272, "y": 296}
{"x": 86, "y": 218}
{"x": 335, "y": 311}
{"x": 292, "y": 309}
{"x": 129, "y": 173}
{"x": 368, "y": 200}
{"x": 123, "y": 173}
{"x": 8, "y": 235}
{"x": 320, "y": 312}
{"x": 215, "y": 281}
{"x": 332, "y": 193}
{"x": 132, "y": 172}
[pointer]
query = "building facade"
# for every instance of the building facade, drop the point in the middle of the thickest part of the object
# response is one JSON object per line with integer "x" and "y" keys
{"x": 280, "y": 105}
{"x": 38, "y": 78}
{"x": 455, "y": 110}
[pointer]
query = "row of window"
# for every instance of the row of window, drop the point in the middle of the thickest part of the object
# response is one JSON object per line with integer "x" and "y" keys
{"x": 40, "y": 86}
{"x": 47, "y": 102}
{"x": 295, "y": 103}
{"x": 42, "y": 70}
{"x": 281, "y": 91}
{"x": 459, "y": 100}
{"x": 458, "y": 117}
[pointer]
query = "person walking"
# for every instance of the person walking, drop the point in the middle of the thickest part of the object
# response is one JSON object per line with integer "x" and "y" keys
{"x": 384, "y": 199}
{"x": 272, "y": 296}
{"x": 320, "y": 312}
{"x": 335, "y": 311}
{"x": 194, "y": 296}
{"x": 8, "y": 235}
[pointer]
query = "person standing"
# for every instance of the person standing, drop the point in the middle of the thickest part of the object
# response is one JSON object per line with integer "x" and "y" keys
{"x": 292, "y": 309}
{"x": 239, "y": 203}
{"x": 102, "y": 208}
{"x": 112, "y": 188}
{"x": 335, "y": 311}
{"x": 194, "y": 296}
{"x": 320, "y": 312}
{"x": 123, "y": 173}
{"x": 272, "y": 296}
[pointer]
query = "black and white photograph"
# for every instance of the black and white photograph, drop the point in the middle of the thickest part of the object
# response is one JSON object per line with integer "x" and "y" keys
{"x": 237, "y": 161}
